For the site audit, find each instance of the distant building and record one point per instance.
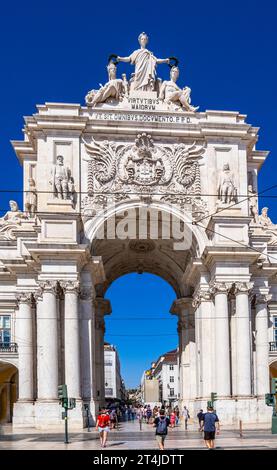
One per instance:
(149, 389)
(114, 384)
(166, 371)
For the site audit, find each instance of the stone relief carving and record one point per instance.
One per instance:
(145, 169)
(62, 181)
(173, 95)
(11, 221)
(226, 191)
(31, 199)
(266, 223)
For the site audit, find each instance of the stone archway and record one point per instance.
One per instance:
(273, 369)
(8, 391)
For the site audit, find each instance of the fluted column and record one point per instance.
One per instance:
(222, 338)
(24, 336)
(242, 315)
(71, 338)
(87, 335)
(102, 307)
(262, 346)
(47, 341)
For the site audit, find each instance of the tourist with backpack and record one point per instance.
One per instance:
(161, 424)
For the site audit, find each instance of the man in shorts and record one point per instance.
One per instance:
(210, 422)
(161, 424)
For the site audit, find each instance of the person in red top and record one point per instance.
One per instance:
(103, 426)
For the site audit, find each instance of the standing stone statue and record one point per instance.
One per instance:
(114, 88)
(172, 93)
(145, 66)
(31, 199)
(253, 204)
(60, 177)
(226, 190)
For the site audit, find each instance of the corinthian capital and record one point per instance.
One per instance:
(48, 286)
(243, 287)
(262, 298)
(24, 298)
(220, 287)
(200, 296)
(70, 286)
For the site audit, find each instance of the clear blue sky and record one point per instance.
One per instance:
(57, 51)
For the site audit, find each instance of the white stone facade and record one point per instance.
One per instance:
(133, 152)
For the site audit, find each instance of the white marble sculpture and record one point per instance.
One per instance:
(114, 88)
(145, 64)
(226, 191)
(31, 199)
(10, 221)
(253, 204)
(173, 94)
(59, 179)
(264, 220)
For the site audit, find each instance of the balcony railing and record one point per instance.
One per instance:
(273, 346)
(8, 347)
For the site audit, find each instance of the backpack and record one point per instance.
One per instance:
(162, 426)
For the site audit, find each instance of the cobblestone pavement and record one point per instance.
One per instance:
(129, 436)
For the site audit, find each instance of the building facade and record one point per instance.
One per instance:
(139, 148)
(166, 371)
(114, 384)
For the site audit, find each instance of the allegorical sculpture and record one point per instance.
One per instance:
(253, 204)
(114, 88)
(31, 199)
(10, 221)
(61, 180)
(145, 64)
(264, 220)
(172, 93)
(226, 191)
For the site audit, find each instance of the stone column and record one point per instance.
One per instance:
(262, 346)
(24, 335)
(87, 334)
(71, 338)
(222, 339)
(243, 366)
(102, 307)
(47, 342)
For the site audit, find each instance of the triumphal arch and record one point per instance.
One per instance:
(137, 179)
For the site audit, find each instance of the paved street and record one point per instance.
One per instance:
(128, 436)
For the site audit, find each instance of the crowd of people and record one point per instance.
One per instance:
(160, 417)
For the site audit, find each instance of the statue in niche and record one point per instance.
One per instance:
(31, 199)
(60, 178)
(226, 191)
(253, 204)
(171, 93)
(13, 216)
(114, 88)
(144, 78)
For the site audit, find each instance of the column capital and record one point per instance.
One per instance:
(38, 294)
(243, 287)
(48, 285)
(86, 293)
(70, 286)
(219, 287)
(24, 297)
(179, 305)
(102, 306)
(201, 295)
(262, 298)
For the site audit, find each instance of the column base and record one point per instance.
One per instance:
(232, 410)
(23, 414)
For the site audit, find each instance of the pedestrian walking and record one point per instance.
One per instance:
(103, 426)
(200, 418)
(140, 416)
(172, 419)
(210, 423)
(113, 418)
(148, 414)
(161, 424)
(186, 416)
